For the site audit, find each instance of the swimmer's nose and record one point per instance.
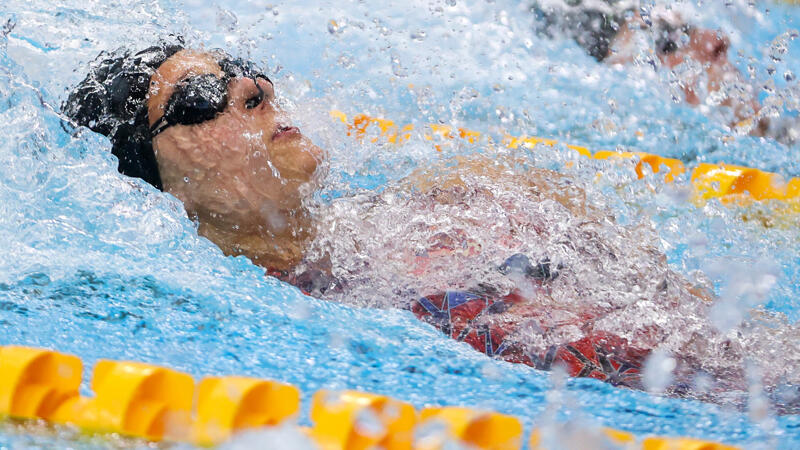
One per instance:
(250, 94)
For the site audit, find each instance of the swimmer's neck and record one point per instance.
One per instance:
(271, 250)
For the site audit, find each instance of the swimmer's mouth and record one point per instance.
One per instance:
(283, 132)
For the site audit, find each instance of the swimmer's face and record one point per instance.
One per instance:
(246, 169)
(709, 48)
(705, 48)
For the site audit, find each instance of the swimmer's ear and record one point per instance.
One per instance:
(111, 100)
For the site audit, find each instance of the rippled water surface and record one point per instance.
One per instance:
(104, 266)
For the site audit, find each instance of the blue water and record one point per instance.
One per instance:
(107, 267)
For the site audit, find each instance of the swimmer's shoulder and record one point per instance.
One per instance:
(488, 173)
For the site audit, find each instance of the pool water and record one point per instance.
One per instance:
(103, 266)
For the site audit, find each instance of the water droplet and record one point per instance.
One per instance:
(336, 27)
(780, 45)
(226, 19)
(346, 61)
(769, 86)
(431, 434)
(397, 68)
(8, 27)
(657, 374)
(419, 35)
(368, 423)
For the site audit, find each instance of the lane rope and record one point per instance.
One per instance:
(731, 184)
(157, 403)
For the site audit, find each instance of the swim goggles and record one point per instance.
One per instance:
(199, 98)
(669, 36)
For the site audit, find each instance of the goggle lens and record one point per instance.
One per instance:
(200, 98)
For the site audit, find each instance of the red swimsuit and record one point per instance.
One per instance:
(479, 321)
(468, 317)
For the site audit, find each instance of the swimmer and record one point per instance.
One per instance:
(203, 127)
(507, 258)
(615, 32)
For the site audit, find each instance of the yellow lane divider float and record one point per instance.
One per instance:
(157, 403)
(727, 182)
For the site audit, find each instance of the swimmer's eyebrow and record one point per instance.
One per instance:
(166, 87)
(190, 72)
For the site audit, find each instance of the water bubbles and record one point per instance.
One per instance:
(432, 434)
(699, 242)
(284, 437)
(346, 61)
(780, 45)
(381, 26)
(226, 19)
(747, 285)
(468, 93)
(758, 405)
(503, 114)
(450, 2)
(418, 36)
(5, 31)
(369, 424)
(528, 43)
(337, 27)
(491, 370)
(272, 8)
(788, 76)
(397, 67)
(299, 310)
(658, 371)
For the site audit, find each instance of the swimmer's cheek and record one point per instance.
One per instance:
(311, 157)
(296, 162)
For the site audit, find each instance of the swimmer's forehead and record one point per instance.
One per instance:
(181, 65)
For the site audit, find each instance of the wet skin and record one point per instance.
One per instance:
(243, 176)
(708, 49)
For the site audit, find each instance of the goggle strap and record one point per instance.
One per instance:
(160, 125)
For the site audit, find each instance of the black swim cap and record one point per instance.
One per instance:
(112, 100)
(592, 24)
